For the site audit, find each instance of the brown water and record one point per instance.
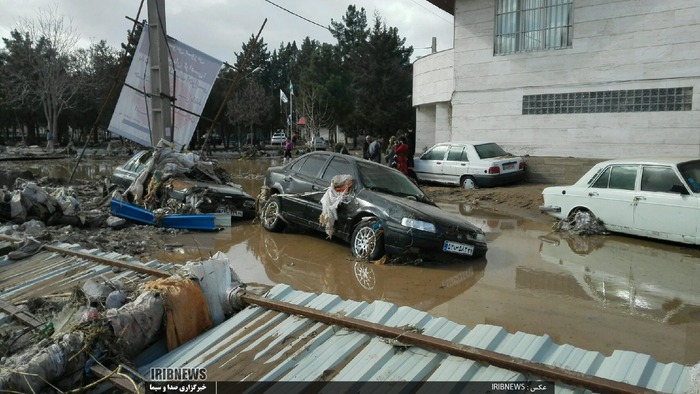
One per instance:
(598, 293)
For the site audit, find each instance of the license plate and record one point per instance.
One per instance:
(238, 214)
(455, 247)
(508, 166)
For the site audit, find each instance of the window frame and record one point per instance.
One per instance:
(532, 25)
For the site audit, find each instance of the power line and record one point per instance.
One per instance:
(299, 16)
(431, 11)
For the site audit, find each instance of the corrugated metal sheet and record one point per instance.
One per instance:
(50, 272)
(258, 344)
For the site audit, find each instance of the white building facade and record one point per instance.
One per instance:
(580, 78)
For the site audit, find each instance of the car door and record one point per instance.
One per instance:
(299, 181)
(663, 207)
(428, 167)
(611, 197)
(455, 165)
(301, 177)
(338, 165)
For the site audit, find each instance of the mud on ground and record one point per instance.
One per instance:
(143, 242)
(520, 199)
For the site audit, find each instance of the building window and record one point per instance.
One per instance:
(637, 100)
(532, 25)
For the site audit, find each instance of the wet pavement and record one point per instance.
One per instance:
(600, 293)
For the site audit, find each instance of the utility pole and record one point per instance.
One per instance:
(161, 127)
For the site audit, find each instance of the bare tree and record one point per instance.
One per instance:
(315, 111)
(248, 106)
(51, 74)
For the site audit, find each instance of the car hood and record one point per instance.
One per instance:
(423, 211)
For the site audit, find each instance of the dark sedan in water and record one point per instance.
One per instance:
(384, 211)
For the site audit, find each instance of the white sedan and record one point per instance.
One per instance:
(656, 198)
(278, 139)
(468, 164)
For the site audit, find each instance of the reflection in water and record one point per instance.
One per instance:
(287, 259)
(87, 169)
(658, 282)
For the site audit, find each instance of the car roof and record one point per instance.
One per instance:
(351, 157)
(466, 143)
(650, 160)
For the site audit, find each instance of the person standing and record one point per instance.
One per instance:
(375, 151)
(340, 148)
(288, 145)
(401, 153)
(365, 147)
(389, 156)
(49, 141)
(411, 141)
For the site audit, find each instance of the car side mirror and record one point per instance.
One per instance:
(679, 189)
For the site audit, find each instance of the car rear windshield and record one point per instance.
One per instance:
(487, 151)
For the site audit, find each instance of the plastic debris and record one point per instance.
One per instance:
(337, 193)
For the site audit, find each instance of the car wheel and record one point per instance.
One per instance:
(367, 242)
(468, 182)
(270, 216)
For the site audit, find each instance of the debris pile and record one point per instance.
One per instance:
(108, 322)
(581, 223)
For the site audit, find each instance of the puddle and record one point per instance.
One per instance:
(622, 295)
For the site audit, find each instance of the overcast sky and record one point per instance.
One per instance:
(220, 27)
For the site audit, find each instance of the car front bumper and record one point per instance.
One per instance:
(550, 209)
(400, 240)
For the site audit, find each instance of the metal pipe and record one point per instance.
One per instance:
(103, 260)
(547, 372)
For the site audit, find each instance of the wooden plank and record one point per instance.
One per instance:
(24, 316)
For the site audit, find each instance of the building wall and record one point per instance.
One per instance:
(617, 45)
(433, 78)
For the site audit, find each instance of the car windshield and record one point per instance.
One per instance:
(385, 180)
(487, 151)
(691, 173)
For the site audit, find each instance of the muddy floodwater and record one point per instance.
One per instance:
(601, 293)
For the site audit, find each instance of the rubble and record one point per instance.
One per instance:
(109, 323)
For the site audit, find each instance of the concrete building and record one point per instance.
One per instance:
(581, 78)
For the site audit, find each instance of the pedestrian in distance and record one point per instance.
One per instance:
(375, 151)
(49, 141)
(401, 152)
(288, 145)
(365, 147)
(389, 158)
(340, 148)
(411, 141)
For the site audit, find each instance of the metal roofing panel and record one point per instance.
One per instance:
(258, 344)
(49, 272)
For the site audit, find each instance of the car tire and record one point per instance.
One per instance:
(367, 242)
(270, 216)
(468, 182)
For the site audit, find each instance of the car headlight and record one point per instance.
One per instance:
(418, 225)
(480, 237)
